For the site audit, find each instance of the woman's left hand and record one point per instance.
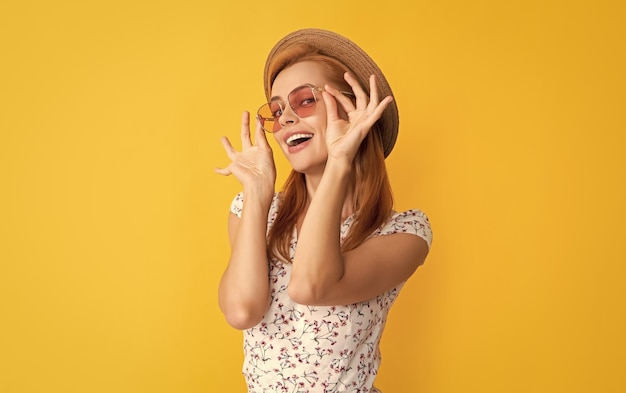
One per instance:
(343, 137)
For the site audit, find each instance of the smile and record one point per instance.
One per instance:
(297, 139)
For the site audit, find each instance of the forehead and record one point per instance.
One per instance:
(297, 75)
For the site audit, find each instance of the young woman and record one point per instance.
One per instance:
(315, 268)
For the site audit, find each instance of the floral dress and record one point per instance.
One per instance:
(309, 349)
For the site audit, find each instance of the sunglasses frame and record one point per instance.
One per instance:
(283, 106)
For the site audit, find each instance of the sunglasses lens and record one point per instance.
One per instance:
(269, 114)
(303, 101)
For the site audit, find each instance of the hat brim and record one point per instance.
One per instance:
(352, 56)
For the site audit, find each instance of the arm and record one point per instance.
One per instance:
(243, 292)
(323, 275)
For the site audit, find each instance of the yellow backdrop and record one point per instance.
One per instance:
(113, 224)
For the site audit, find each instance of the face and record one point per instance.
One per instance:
(302, 139)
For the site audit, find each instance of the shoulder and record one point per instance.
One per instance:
(236, 206)
(412, 221)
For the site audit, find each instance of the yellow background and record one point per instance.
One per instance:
(113, 224)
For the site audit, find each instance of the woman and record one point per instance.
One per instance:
(315, 268)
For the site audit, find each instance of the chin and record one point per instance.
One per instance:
(308, 168)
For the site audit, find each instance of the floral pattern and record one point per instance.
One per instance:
(310, 349)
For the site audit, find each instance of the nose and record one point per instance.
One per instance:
(288, 116)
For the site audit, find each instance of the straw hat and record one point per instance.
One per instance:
(350, 54)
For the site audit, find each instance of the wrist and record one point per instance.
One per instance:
(261, 193)
(338, 166)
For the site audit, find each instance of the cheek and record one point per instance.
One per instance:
(321, 117)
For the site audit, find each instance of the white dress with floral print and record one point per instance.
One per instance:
(309, 349)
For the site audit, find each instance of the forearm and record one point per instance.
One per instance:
(318, 260)
(244, 288)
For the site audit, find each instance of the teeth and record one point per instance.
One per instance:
(291, 141)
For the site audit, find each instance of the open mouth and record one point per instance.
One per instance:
(297, 139)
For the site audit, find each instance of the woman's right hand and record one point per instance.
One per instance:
(254, 165)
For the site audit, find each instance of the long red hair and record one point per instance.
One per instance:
(373, 199)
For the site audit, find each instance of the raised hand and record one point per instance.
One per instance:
(254, 165)
(343, 137)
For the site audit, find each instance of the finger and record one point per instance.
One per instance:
(246, 142)
(375, 114)
(380, 108)
(223, 171)
(373, 91)
(230, 150)
(361, 96)
(345, 101)
(259, 136)
(331, 107)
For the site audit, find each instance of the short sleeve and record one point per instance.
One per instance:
(237, 204)
(414, 222)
